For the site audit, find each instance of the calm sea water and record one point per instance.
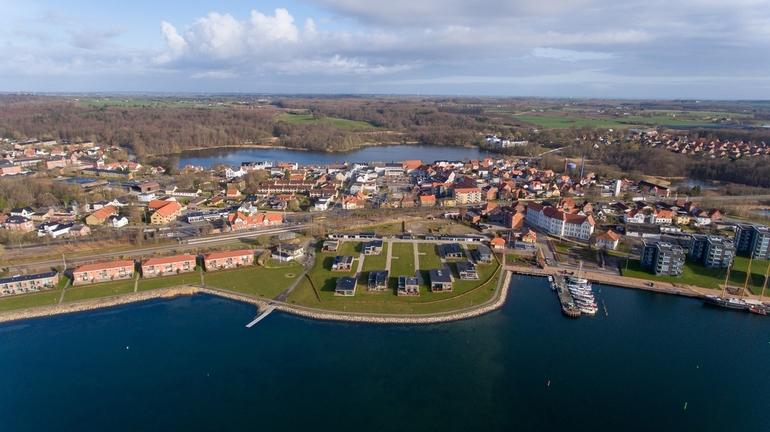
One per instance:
(189, 364)
(234, 157)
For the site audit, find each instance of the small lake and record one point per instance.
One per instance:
(391, 153)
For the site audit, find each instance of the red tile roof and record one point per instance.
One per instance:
(105, 265)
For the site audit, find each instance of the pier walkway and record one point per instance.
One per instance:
(261, 316)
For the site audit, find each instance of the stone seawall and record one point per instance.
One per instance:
(499, 299)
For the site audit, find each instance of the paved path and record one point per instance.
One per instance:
(416, 257)
(467, 252)
(261, 316)
(66, 285)
(390, 255)
(136, 284)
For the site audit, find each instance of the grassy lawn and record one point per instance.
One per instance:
(339, 123)
(377, 262)
(254, 280)
(698, 275)
(350, 248)
(429, 258)
(191, 278)
(99, 290)
(23, 301)
(465, 294)
(402, 263)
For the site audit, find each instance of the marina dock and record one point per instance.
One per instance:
(568, 306)
(261, 316)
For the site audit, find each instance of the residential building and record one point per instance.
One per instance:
(342, 263)
(228, 259)
(497, 243)
(373, 247)
(408, 286)
(467, 196)
(378, 280)
(19, 223)
(440, 280)
(483, 254)
(663, 258)
(607, 240)
(752, 241)
(28, 283)
(168, 265)
(288, 252)
(559, 223)
(103, 272)
(101, 215)
(451, 251)
(166, 214)
(345, 286)
(711, 251)
(466, 270)
(330, 245)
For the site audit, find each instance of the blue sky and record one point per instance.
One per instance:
(700, 49)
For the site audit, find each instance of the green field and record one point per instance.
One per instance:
(24, 301)
(429, 258)
(571, 119)
(402, 263)
(255, 280)
(339, 123)
(106, 289)
(192, 278)
(465, 294)
(377, 262)
(698, 275)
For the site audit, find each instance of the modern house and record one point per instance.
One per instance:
(169, 265)
(483, 254)
(103, 272)
(408, 286)
(378, 280)
(228, 259)
(711, 251)
(331, 245)
(663, 258)
(752, 241)
(28, 283)
(465, 196)
(440, 280)
(451, 251)
(342, 263)
(288, 252)
(373, 247)
(467, 270)
(346, 286)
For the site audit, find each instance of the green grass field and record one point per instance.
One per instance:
(377, 262)
(24, 301)
(698, 275)
(429, 258)
(255, 280)
(192, 278)
(339, 123)
(465, 294)
(402, 263)
(106, 289)
(576, 119)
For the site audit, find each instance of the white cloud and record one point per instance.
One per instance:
(570, 55)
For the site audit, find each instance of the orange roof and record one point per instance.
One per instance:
(497, 241)
(168, 260)
(105, 265)
(157, 203)
(228, 254)
(169, 209)
(427, 198)
(105, 212)
(411, 164)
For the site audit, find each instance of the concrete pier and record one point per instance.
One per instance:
(261, 316)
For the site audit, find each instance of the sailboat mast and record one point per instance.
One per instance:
(727, 277)
(764, 285)
(748, 275)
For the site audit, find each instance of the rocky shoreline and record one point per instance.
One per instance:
(498, 301)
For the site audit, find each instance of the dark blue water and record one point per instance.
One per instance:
(234, 157)
(191, 365)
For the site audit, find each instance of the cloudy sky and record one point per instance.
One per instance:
(700, 49)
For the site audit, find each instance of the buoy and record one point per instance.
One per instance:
(126, 347)
(549, 383)
(685, 406)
